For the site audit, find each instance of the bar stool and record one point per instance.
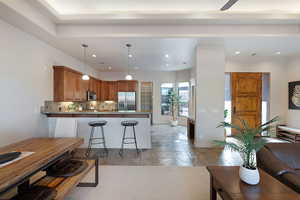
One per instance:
(101, 139)
(129, 123)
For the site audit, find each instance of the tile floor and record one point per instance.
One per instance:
(171, 147)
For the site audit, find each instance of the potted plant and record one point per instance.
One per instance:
(174, 101)
(247, 144)
(225, 116)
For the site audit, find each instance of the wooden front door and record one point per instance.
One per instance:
(246, 98)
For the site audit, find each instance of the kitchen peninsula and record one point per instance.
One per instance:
(113, 130)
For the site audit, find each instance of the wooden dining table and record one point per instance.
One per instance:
(45, 152)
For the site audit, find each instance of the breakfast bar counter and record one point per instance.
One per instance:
(113, 129)
(121, 114)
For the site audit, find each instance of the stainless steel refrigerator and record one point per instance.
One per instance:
(126, 101)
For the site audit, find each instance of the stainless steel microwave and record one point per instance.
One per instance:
(91, 96)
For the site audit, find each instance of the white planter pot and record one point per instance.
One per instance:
(249, 176)
(174, 123)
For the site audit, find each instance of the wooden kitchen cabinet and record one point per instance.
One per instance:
(99, 90)
(81, 88)
(93, 85)
(113, 91)
(109, 91)
(127, 86)
(132, 86)
(68, 85)
(104, 91)
(122, 86)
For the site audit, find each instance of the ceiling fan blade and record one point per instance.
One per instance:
(228, 5)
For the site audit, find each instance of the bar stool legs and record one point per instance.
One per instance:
(136, 147)
(124, 138)
(104, 142)
(90, 142)
(122, 145)
(99, 140)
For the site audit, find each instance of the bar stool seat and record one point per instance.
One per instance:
(132, 140)
(129, 123)
(98, 140)
(98, 123)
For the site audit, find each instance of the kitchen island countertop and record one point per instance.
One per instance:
(125, 114)
(113, 129)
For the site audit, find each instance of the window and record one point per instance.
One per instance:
(227, 106)
(265, 98)
(165, 89)
(227, 103)
(184, 93)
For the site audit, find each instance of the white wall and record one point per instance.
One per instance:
(183, 75)
(26, 82)
(210, 77)
(293, 116)
(277, 67)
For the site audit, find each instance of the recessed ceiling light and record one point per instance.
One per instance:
(167, 55)
(237, 52)
(94, 55)
(278, 52)
(130, 55)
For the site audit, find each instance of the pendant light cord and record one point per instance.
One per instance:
(84, 60)
(128, 53)
(85, 75)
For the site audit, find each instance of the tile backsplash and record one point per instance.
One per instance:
(51, 106)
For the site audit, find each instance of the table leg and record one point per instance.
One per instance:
(213, 192)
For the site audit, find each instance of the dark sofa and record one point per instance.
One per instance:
(282, 161)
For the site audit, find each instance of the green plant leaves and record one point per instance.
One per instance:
(246, 141)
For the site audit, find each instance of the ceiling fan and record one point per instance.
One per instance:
(228, 5)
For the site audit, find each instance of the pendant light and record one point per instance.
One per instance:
(85, 77)
(128, 76)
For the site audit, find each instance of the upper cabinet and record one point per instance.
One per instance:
(68, 85)
(132, 86)
(99, 90)
(109, 91)
(127, 86)
(93, 85)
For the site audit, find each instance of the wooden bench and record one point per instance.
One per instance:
(47, 151)
(288, 134)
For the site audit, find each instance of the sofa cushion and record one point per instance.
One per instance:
(282, 161)
(292, 180)
(287, 153)
(270, 163)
